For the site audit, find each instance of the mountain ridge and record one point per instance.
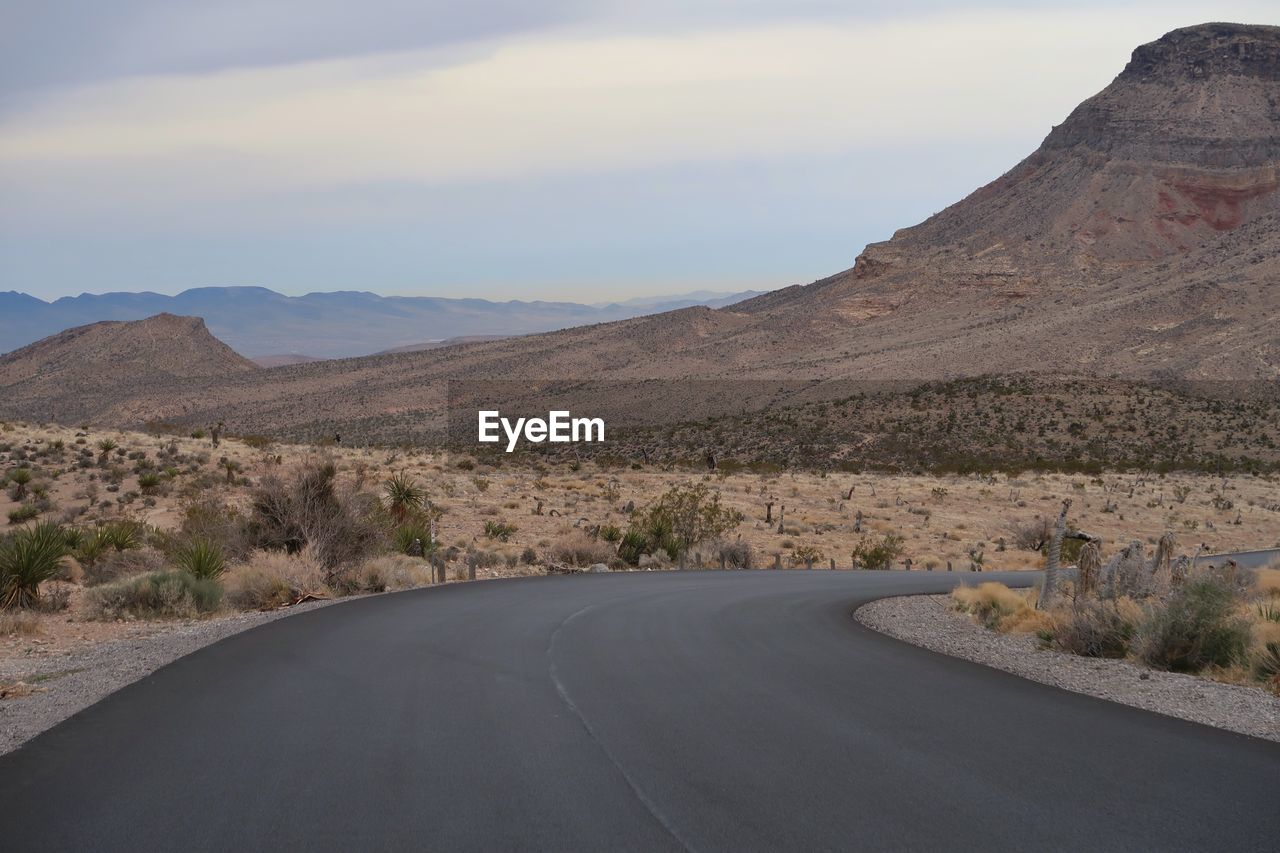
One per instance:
(257, 321)
(1142, 242)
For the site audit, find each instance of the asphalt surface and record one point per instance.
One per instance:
(705, 711)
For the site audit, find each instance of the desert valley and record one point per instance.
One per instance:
(1074, 369)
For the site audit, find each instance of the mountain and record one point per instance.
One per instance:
(76, 374)
(1141, 240)
(256, 321)
(282, 359)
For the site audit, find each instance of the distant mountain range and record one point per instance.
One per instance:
(257, 322)
(1139, 242)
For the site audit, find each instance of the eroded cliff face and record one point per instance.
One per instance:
(1182, 146)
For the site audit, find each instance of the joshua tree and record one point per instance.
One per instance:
(1054, 556)
(1161, 575)
(1090, 565)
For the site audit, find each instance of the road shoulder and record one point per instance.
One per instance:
(929, 622)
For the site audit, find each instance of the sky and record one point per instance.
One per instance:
(510, 149)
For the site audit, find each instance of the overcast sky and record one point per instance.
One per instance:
(580, 149)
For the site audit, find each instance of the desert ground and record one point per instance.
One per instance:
(523, 517)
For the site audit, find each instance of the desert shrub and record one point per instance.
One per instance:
(201, 558)
(26, 512)
(610, 533)
(528, 556)
(878, 553)
(271, 579)
(633, 546)
(113, 565)
(485, 559)
(995, 606)
(20, 623)
(341, 527)
(177, 595)
(148, 481)
(500, 530)
(212, 520)
(123, 534)
(1266, 664)
(578, 549)
(1096, 629)
(1031, 535)
(1194, 629)
(413, 530)
(54, 598)
(736, 554)
(28, 558)
(393, 572)
(805, 555)
(683, 517)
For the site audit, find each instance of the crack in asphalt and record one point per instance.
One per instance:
(643, 798)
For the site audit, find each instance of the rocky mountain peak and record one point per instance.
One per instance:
(1208, 50)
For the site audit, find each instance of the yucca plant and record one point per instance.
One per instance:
(27, 559)
(148, 481)
(106, 445)
(19, 480)
(201, 558)
(91, 547)
(122, 535)
(404, 496)
(409, 532)
(500, 530)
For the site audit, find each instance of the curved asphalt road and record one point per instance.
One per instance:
(707, 711)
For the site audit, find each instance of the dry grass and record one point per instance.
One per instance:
(1267, 582)
(271, 579)
(1000, 608)
(17, 623)
(578, 549)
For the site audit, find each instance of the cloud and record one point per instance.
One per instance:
(550, 105)
(290, 130)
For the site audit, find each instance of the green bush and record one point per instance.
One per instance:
(611, 533)
(633, 545)
(1196, 628)
(122, 535)
(160, 594)
(878, 554)
(500, 530)
(413, 529)
(200, 558)
(20, 480)
(26, 512)
(28, 558)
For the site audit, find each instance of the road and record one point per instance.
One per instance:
(701, 711)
